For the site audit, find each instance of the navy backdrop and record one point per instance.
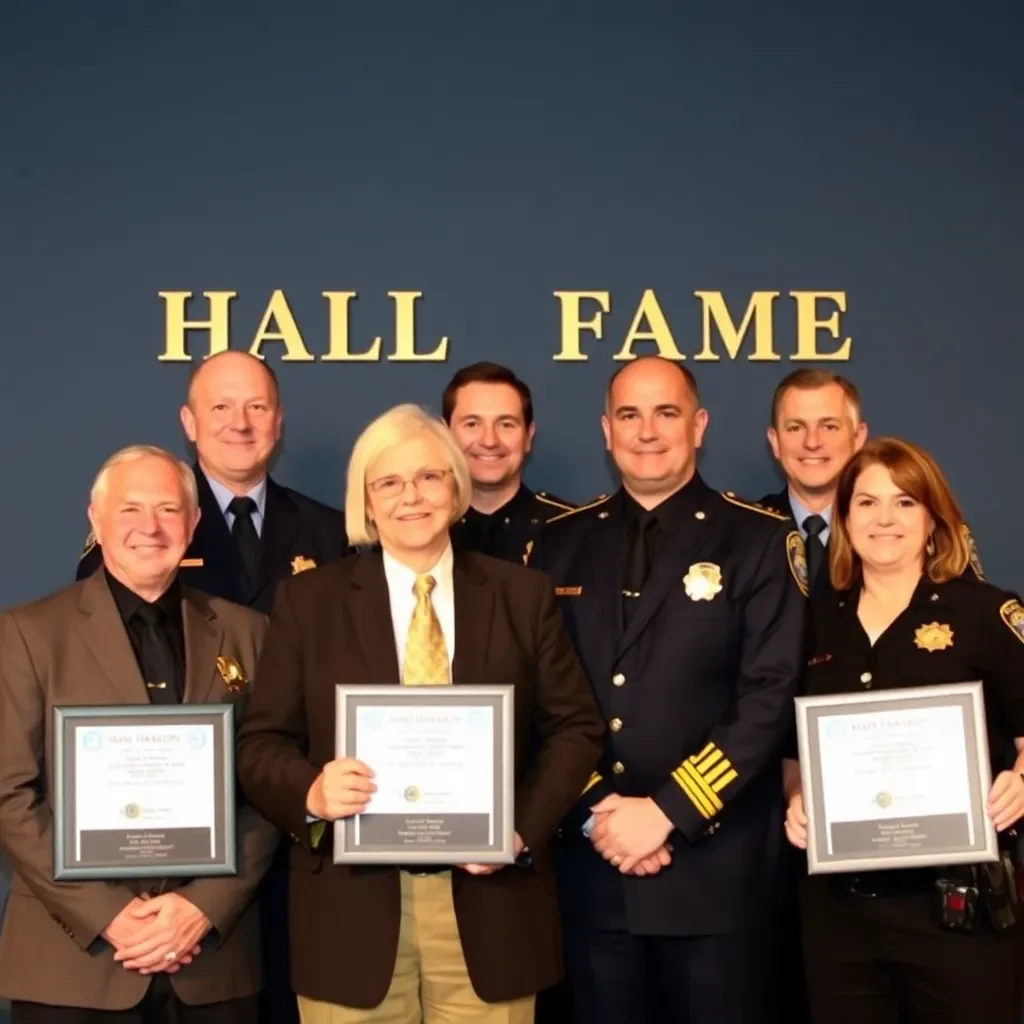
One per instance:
(488, 156)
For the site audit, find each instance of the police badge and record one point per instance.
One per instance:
(300, 563)
(933, 636)
(796, 555)
(703, 581)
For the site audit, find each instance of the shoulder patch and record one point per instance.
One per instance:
(600, 500)
(90, 543)
(972, 550)
(796, 555)
(556, 502)
(753, 506)
(1012, 613)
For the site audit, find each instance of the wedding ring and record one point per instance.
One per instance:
(616, 860)
(171, 955)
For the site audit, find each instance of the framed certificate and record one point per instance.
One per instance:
(896, 779)
(144, 791)
(444, 768)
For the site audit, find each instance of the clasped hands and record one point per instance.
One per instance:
(159, 933)
(631, 833)
(344, 787)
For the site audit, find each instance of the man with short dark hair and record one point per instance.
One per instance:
(490, 413)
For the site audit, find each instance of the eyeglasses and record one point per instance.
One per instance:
(430, 483)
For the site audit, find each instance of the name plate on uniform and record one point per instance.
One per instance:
(144, 791)
(443, 763)
(896, 779)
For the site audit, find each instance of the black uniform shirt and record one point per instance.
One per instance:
(489, 532)
(955, 632)
(160, 650)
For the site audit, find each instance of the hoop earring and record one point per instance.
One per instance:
(929, 548)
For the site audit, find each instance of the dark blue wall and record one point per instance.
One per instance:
(489, 155)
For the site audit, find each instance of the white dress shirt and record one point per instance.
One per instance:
(400, 579)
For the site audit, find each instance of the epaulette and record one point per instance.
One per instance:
(600, 499)
(90, 543)
(753, 506)
(541, 496)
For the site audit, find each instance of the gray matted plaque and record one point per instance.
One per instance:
(896, 778)
(144, 791)
(444, 766)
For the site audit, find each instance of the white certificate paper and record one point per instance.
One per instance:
(894, 764)
(428, 760)
(151, 777)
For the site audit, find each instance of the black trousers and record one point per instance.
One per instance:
(884, 960)
(278, 1003)
(618, 978)
(160, 1006)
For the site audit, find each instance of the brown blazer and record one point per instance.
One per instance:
(333, 625)
(72, 648)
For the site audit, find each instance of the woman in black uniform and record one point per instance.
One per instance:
(875, 949)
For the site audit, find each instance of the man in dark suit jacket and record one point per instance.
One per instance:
(490, 413)
(353, 943)
(252, 533)
(142, 951)
(686, 607)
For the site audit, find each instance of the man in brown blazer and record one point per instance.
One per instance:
(161, 950)
(364, 938)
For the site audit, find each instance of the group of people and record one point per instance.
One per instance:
(655, 639)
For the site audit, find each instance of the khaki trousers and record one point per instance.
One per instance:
(431, 984)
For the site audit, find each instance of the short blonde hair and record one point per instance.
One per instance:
(136, 453)
(393, 427)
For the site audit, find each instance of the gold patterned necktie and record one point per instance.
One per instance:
(426, 654)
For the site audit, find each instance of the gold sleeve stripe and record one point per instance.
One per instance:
(709, 761)
(698, 801)
(594, 779)
(702, 787)
(718, 770)
(704, 753)
(551, 501)
(583, 508)
(724, 780)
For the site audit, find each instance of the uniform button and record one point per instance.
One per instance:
(615, 724)
(865, 677)
(618, 679)
(618, 767)
(698, 515)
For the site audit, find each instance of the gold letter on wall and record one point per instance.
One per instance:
(659, 333)
(808, 325)
(175, 324)
(405, 332)
(572, 325)
(759, 309)
(287, 331)
(338, 352)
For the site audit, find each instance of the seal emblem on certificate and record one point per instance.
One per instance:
(442, 759)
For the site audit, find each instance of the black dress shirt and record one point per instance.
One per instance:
(157, 634)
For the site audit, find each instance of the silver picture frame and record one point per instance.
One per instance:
(139, 848)
(421, 834)
(961, 834)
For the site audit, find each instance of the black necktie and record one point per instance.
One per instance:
(638, 563)
(814, 525)
(157, 659)
(247, 540)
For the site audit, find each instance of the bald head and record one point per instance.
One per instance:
(233, 417)
(653, 425)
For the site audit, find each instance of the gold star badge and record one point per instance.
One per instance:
(301, 564)
(933, 636)
(703, 581)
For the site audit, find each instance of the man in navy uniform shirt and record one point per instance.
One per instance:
(252, 532)
(490, 413)
(686, 606)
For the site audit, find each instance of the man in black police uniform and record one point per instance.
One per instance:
(490, 413)
(252, 532)
(687, 610)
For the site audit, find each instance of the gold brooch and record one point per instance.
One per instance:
(232, 674)
(934, 636)
(703, 581)
(300, 563)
